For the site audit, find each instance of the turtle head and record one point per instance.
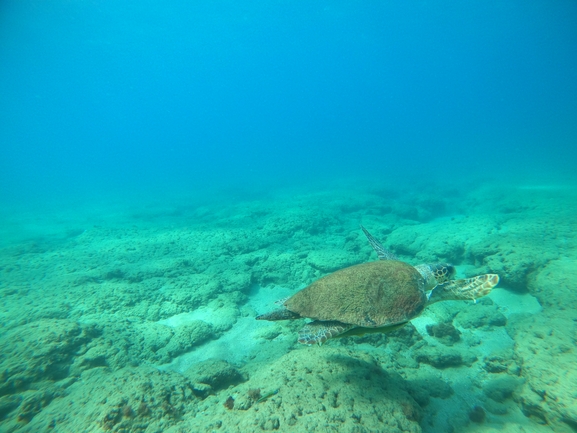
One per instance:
(443, 272)
(436, 273)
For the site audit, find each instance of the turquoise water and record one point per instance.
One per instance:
(169, 172)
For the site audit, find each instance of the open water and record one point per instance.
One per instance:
(168, 170)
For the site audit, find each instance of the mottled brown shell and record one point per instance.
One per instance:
(371, 295)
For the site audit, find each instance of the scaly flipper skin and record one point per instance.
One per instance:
(318, 332)
(465, 289)
(383, 253)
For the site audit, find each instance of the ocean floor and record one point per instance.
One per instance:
(141, 317)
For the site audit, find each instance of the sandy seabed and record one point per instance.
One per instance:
(141, 318)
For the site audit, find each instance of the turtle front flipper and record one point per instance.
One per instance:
(465, 289)
(280, 314)
(383, 253)
(318, 332)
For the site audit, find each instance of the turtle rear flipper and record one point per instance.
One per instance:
(381, 251)
(465, 289)
(318, 332)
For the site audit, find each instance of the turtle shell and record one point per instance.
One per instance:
(371, 295)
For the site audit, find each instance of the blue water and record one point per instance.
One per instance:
(145, 97)
(169, 169)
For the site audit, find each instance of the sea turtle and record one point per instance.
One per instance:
(378, 296)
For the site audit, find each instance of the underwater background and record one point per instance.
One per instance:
(168, 170)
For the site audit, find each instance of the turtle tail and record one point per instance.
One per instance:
(281, 314)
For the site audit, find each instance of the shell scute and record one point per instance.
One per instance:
(370, 295)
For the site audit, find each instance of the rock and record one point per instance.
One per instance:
(327, 260)
(185, 337)
(477, 414)
(407, 336)
(484, 314)
(503, 362)
(130, 343)
(446, 333)
(554, 285)
(213, 375)
(129, 400)
(545, 347)
(40, 351)
(496, 408)
(344, 389)
(8, 403)
(501, 388)
(441, 358)
(34, 401)
(268, 333)
(424, 388)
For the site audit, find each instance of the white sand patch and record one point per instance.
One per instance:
(245, 339)
(511, 303)
(490, 341)
(262, 299)
(427, 318)
(236, 346)
(482, 341)
(220, 318)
